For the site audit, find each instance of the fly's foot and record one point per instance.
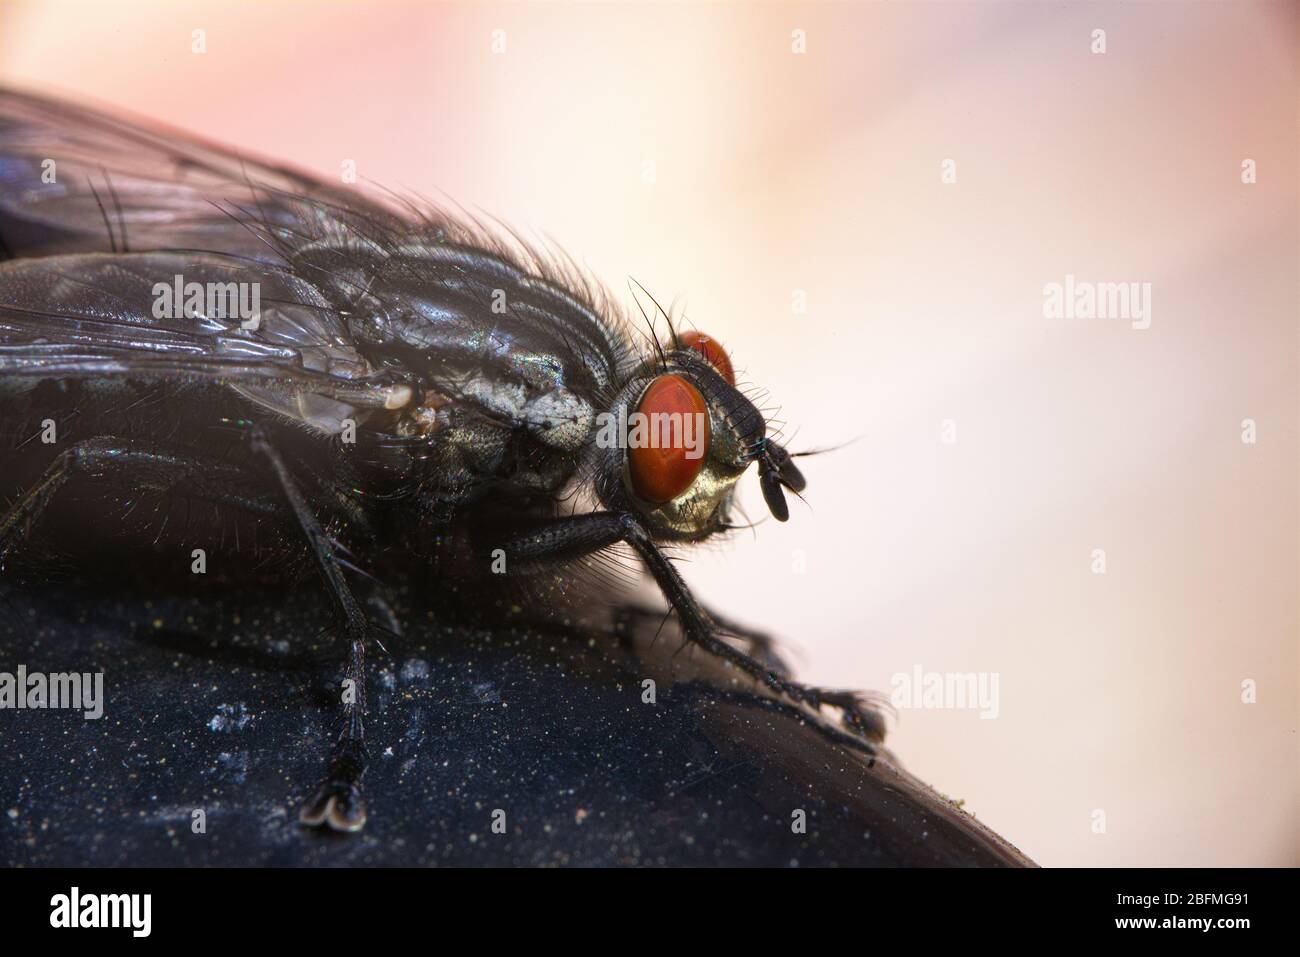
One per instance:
(337, 804)
(860, 714)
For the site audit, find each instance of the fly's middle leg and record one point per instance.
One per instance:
(338, 802)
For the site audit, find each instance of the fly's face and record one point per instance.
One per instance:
(691, 435)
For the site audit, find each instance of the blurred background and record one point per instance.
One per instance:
(864, 202)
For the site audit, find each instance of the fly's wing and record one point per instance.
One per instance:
(108, 224)
(92, 315)
(76, 180)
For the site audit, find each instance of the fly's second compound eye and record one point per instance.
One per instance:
(712, 350)
(667, 446)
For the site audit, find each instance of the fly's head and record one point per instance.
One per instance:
(690, 435)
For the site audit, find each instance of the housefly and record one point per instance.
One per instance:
(395, 375)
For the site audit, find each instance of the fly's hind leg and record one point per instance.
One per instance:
(584, 534)
(145, 466)
(338, 802)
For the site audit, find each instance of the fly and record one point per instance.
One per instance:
(389, 368)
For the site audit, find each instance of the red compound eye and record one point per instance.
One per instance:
(712, 350)
(668, 446)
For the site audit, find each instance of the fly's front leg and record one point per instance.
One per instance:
(583, 534)
(338, 802)
(758, 644)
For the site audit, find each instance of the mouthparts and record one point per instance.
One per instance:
(777, 472)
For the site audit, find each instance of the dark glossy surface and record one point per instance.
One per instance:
(224, 704)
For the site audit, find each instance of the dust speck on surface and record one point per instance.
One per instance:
(230, 718)
(415, 671)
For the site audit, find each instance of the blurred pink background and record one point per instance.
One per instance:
(778, 174)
